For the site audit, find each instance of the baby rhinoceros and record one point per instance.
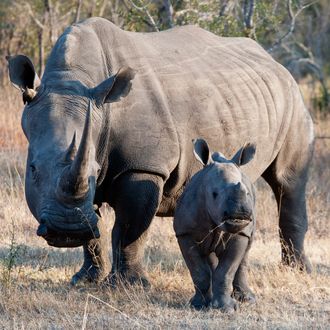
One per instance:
(214, 223)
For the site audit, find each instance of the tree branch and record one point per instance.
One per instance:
(35, 19)
(79, 3)
(248, 10)
(146, 12)
(293, 16)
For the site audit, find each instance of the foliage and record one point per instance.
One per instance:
(9, 262)
(295, 32)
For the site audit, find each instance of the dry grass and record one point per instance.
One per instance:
(34, 278)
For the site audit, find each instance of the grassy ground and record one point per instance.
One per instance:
(34, 278)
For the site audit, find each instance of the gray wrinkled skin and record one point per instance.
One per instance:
(214, 223)
(148, 95)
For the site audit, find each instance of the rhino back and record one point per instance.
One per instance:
(189, 83)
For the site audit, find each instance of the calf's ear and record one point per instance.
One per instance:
(23, 76)
(245, 154)
(201, 151)
(115, 87)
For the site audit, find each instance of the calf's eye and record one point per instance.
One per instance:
(33, 169)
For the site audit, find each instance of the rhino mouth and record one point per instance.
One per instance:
(57, 239)
(235, 224)
(68, 230)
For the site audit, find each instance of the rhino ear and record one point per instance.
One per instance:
(115, 87)
(23, 76)
(245, 154)
(201, 151)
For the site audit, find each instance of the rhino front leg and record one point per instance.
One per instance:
(96, 264)
(137, 197)
(223, 276)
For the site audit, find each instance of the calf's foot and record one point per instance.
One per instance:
(244, 296)
(225, 303)
(199, 302)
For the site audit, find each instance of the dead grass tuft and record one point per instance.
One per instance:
(38, 294)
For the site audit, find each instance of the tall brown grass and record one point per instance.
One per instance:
(34, 278)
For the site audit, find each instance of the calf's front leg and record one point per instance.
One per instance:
(199, 269)
(223, 276)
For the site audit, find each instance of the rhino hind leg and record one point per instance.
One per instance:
(137, 197)
(96, 264)
(287, 176)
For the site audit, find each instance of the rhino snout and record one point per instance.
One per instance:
(67, 234)
(235, 222)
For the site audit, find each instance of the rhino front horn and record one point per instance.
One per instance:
(80, 164)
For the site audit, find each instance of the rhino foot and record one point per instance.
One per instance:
(113, 280)
(300, 262)
(92, 274)
(225, 304)
(199, 302)
(244, 296)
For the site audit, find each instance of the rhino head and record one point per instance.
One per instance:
(227, 193)
(61, 122)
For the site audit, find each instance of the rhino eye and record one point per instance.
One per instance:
(34, 172)
(215, 194)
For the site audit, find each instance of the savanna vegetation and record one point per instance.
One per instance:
(34, 278)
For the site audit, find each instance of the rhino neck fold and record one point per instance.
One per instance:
(103, 145)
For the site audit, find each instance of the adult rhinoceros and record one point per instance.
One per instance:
(94, 139)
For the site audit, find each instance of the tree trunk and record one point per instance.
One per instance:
(77, 18)
(41, 51)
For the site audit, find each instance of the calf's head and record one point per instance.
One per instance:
(226, 193)
(61, 121)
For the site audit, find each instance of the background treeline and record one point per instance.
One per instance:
(295, 32)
